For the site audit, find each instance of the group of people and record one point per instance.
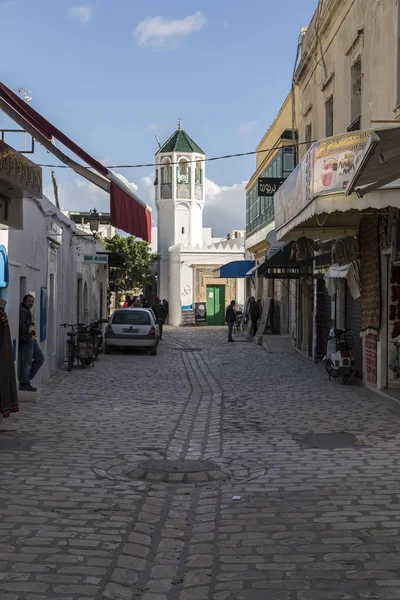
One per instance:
(160, 309)
(231, 317)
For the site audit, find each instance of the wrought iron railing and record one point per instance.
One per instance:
(355, 125)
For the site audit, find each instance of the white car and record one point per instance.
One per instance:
(131, 328)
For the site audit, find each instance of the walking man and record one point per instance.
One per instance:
(166, 306)
(30, 355)
(161, 315)
(254, 311)
(230, 319)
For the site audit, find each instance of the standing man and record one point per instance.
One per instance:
(161, 315)
(230, 319)
(254, 311)
(166, 306)
(30, 355)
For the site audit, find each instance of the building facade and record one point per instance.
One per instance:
(189, 254)
(338, 211)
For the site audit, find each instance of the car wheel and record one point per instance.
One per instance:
(107, 350)
(153, 351)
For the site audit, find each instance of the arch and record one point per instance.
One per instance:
(183, 206)
(4, 275)
(166, 170)
(183, 170)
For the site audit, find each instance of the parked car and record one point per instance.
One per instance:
(131, 328)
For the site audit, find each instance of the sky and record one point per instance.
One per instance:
(114, 74)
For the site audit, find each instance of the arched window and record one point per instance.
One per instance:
(199, 172)
(183, 171)
(166, 171)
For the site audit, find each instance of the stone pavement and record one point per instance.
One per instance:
(86, 515)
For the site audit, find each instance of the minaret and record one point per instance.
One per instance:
(179, 199)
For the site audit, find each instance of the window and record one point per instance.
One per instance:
(308, 139)
(288, 161)
(131, 317)
(183, 171)
(198, 173)
(329, 117)
(166, 172)
(183, 230)
(356, 91)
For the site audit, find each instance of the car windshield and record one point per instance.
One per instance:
(131, 317)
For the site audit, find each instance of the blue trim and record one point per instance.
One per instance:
(43, 314)
(236, 269)
(188, 307)
(4, 274)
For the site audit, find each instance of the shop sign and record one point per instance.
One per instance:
(268, 186)
(327, 168)
(101, 259)
(18, 170)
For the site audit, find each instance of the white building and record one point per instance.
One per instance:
(50, 259)
(189, 256)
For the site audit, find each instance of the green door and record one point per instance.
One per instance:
(215, 304)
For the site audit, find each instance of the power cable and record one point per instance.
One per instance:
(213, 158)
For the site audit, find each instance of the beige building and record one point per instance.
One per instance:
(348, 76)
(275, 158)
(343, 199)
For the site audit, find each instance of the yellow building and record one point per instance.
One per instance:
(275, 157)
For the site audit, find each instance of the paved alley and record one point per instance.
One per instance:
(98, 499)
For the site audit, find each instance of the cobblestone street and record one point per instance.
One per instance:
(278, 513)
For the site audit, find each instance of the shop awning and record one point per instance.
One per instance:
(128, 212)
(379, 165)
(315, 201)
(253, 270)
(349, 272)
(236, 269)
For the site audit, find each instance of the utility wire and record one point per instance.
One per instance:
(213, 158)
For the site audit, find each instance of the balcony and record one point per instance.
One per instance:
(355, 125)
(261, 221)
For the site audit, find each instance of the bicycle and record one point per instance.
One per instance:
(79, 345)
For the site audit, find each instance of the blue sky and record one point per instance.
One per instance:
(111, 75)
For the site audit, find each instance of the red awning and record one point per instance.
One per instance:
(128, 212)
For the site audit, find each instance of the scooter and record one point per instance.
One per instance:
(339, 363)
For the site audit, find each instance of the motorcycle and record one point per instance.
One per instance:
(79, 345)
(339, 363)
(96, 334)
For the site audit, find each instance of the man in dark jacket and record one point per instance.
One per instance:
(254, 311)
(30, 355)
(230, 319)
(166, 306)
(160, 313)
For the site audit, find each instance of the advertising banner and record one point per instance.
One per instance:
(327, 168)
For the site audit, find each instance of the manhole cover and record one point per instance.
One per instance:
(179, 466)
(328, 441)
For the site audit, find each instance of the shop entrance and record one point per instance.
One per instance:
(215, 304)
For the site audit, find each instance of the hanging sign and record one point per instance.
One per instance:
(267, 186)
(99, 259)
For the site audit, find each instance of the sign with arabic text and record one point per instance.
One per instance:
(99, 259)
(267, 186)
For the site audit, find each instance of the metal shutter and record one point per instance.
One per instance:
(353, 323)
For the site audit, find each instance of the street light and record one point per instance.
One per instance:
(94, 221)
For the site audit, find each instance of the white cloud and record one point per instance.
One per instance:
(81, 12)
(162, 32)
(225, 207)
(248, 128)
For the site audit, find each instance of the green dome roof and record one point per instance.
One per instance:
(180, 141)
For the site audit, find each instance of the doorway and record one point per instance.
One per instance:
(215, 304)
